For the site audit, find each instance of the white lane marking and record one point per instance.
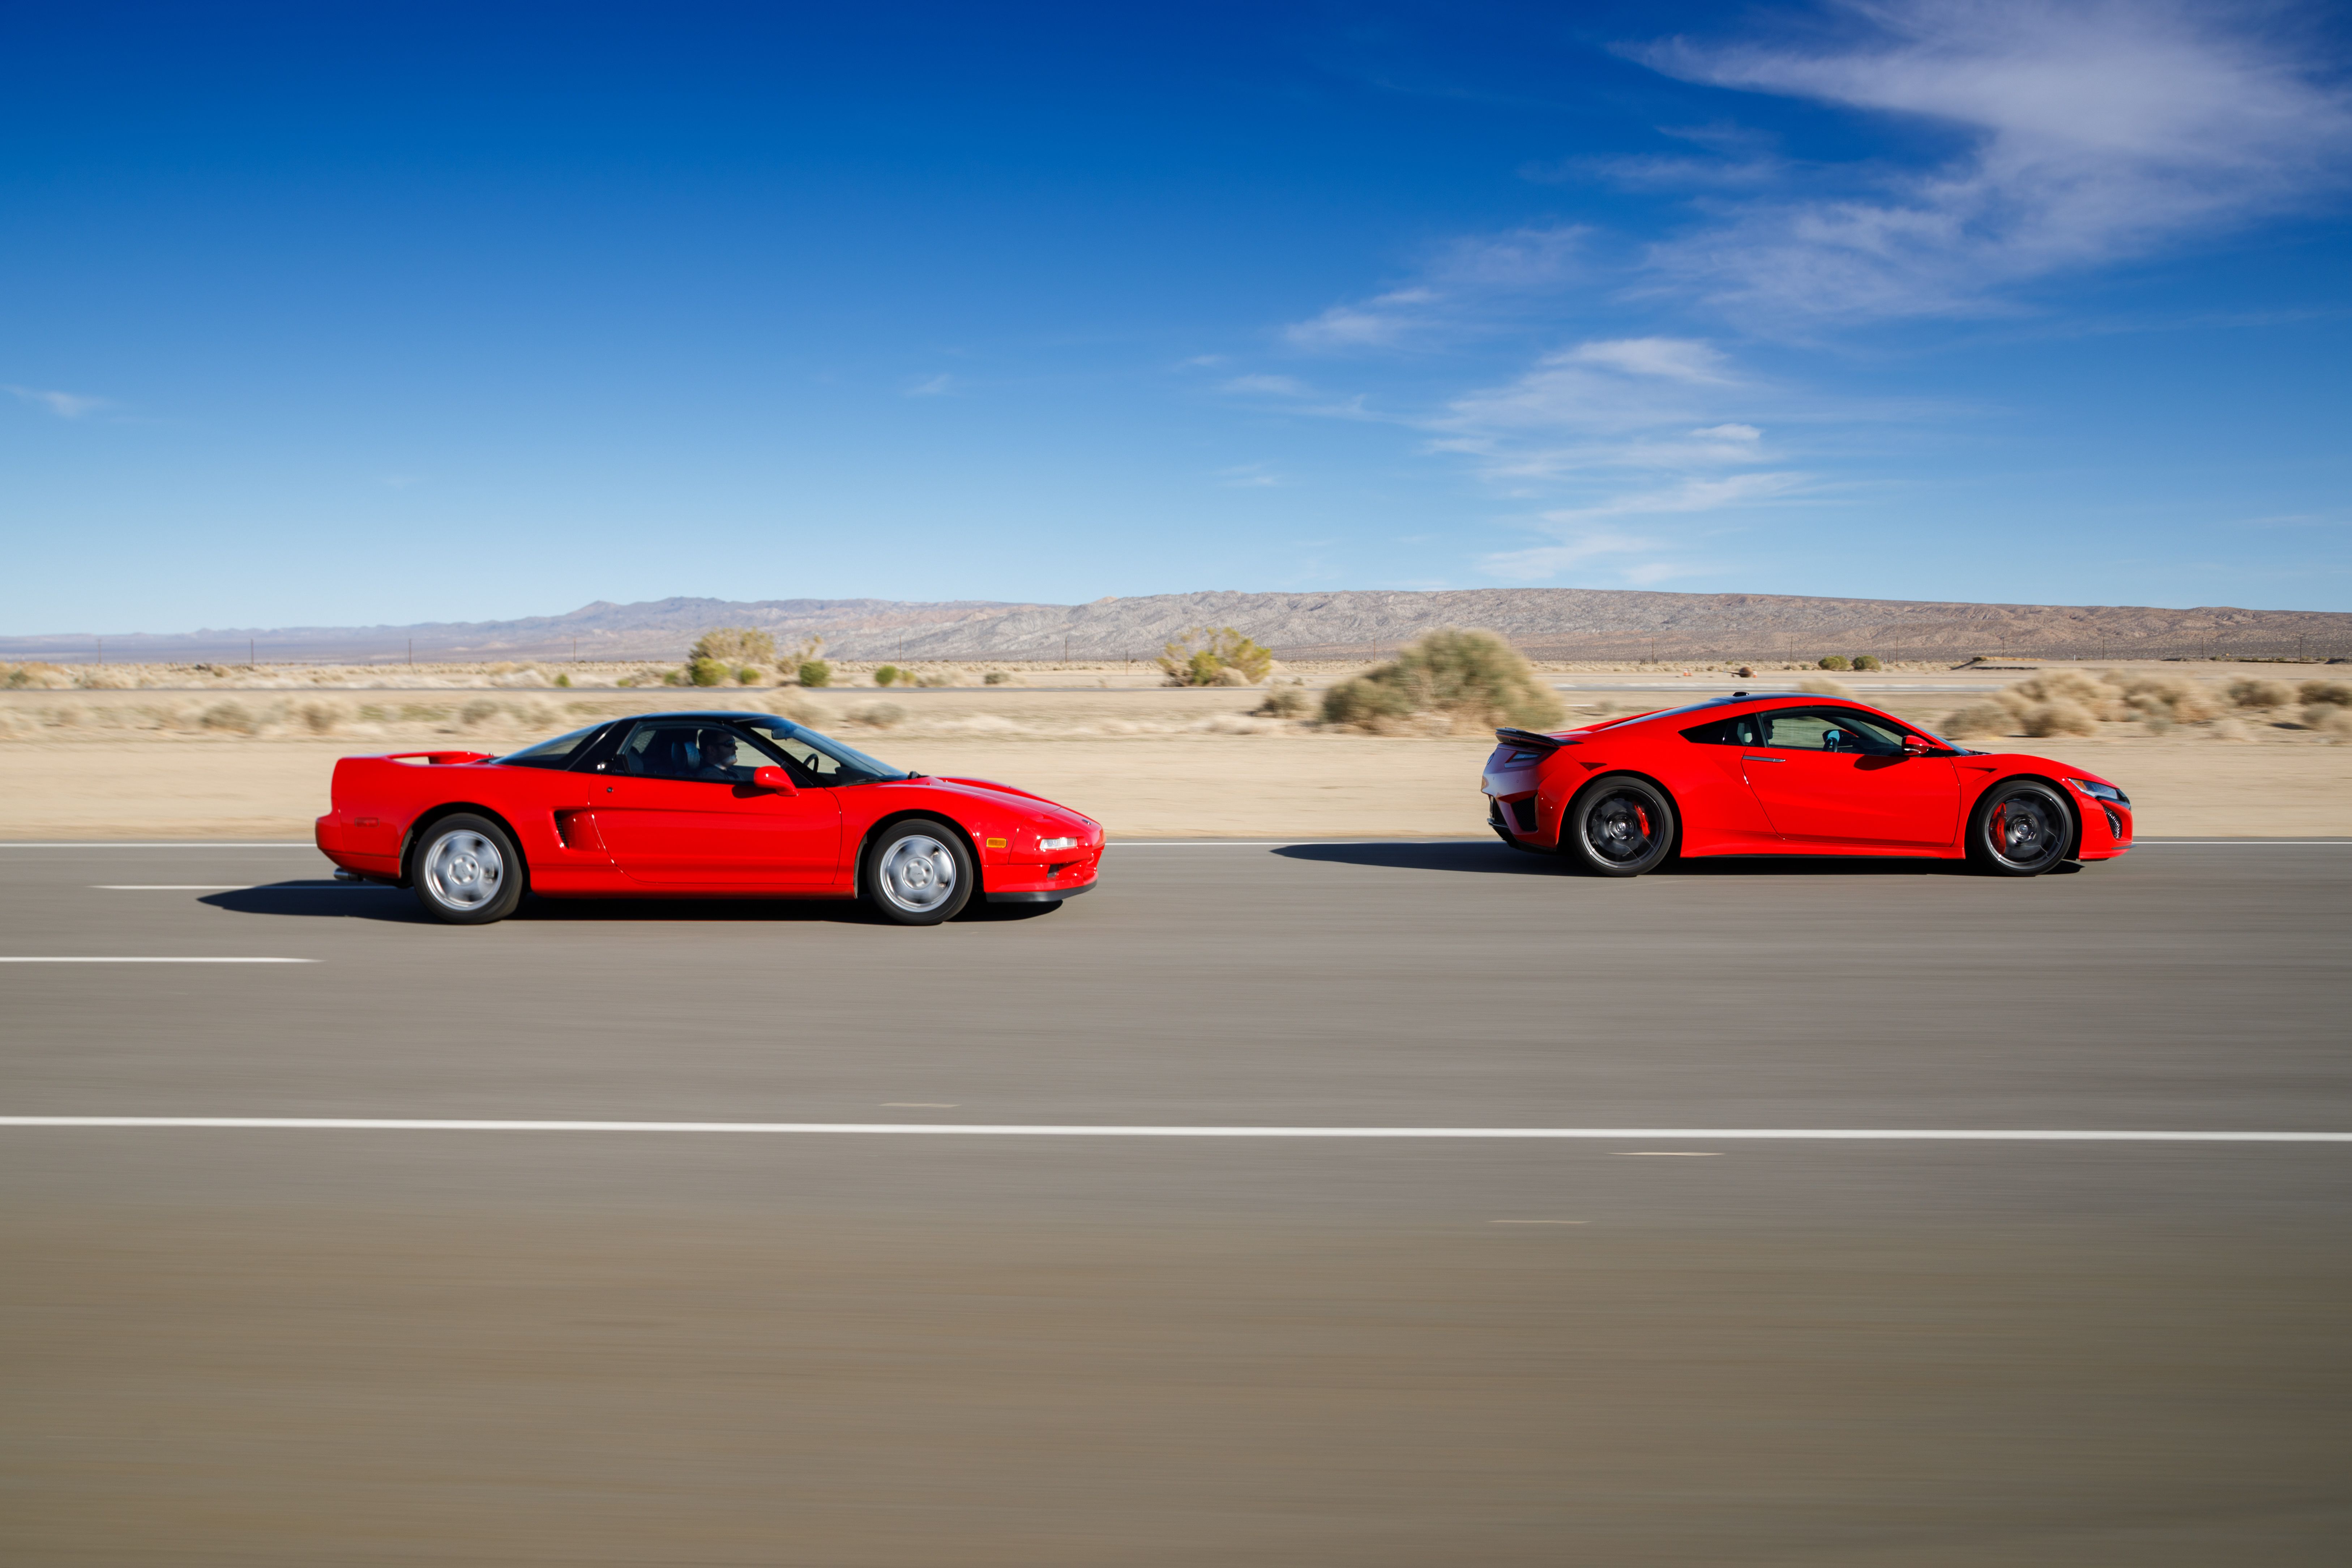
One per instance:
(128, 844)
(919, 1104)
(1669, 1155)
(1538, 1222)
(239, 887)
(1104, 1130)
(119, 959)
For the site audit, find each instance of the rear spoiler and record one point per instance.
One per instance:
(1529, 738)
(440, 759)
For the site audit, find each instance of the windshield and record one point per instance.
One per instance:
(559, 752)
(831, 762)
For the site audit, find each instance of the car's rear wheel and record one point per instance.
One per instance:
(917, 872)
(1620, 827)
(2019, 829)
(467, 871)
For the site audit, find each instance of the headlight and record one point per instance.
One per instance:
(2099, 791)
(1053, 843)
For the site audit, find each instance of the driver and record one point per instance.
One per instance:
(718, 764)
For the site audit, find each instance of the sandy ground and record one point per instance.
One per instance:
(1170, 785)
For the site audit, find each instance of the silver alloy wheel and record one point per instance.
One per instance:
(464, 869)
(918, 873)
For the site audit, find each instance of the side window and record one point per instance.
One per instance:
(1747, 729)
(1830, 730)
(707, 754)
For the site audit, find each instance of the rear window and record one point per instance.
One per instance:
(559, 753)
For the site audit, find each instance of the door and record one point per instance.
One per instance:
(1831, 775)
(678, 809)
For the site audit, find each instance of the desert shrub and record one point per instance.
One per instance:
(320, 718)
(1866, 661)
(232, 716)
(814, 672)
(2329, 720)
(747, 676)
(1469, 679)
(2335, 692)
(733, 646)
(1747, 672)
(563, 681)
(2231, 730)
(878, 715)
(1979, 719)
(1826, 688)
(706, 672)
(37, 676)
(995, 678)
(1214, 655)
(2260, 694)
(2172, 697)
(481, 711)
(1282, 703)
(1835, 661)
(886, 675)
(2101, 697)
(2061, 717)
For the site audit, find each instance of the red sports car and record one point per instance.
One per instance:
(1791, 773)
(697, 806)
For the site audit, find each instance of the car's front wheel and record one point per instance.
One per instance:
(1620, 827)
(2019, 829)
(467, 871)
(917, 872)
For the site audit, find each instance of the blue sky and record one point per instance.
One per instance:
(335, 315)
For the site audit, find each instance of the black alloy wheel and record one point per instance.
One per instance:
(2021, 828)
(467, 871)
(1620, 827)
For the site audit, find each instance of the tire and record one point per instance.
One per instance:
(2020, 828)
(467, 871)
(918, 873)
(1619, 827)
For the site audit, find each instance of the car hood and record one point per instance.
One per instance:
(1005, 795)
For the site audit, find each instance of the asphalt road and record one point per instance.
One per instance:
(264, 1346)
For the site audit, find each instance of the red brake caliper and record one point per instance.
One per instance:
(1644, 818)
(2000, 825)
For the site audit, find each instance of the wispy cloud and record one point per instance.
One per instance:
(1248, 476)
(64, 404)
(937, 385)
(1463, 287)
(2090, 131)
(1266, 386)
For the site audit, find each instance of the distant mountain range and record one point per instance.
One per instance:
(1557, 622)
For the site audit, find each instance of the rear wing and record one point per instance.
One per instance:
(1529, 738)
(438, 759)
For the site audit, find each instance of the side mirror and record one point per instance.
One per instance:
(1919, 746)
(775, 779)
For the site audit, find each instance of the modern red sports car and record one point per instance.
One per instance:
(697, 806)
(1791, 773)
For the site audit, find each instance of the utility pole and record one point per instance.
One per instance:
(250, 659)
(101, 650)
(411, 653)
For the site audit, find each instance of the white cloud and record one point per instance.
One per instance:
(1248, 476)
(1730, 433)
(64, 404)
(1459, 289)
(1266, 386)
(2092, 131)
(938, 386)
(1550, 559)
(1679, 359)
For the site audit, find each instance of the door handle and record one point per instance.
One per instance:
(1763, 759)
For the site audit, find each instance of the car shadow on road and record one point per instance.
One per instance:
(1499, 860)
(398, 906)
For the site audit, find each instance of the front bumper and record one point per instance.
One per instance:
(1040, 895)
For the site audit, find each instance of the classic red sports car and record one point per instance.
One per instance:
(699, 805)
(1791, 773)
